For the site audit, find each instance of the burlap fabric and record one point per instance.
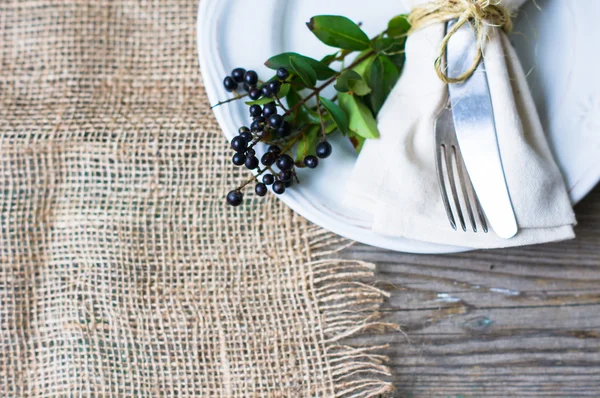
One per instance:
(123, 274)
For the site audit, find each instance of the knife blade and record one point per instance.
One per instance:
(473, 116)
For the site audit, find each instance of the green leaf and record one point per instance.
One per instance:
(383, 76)
(398, 26)
(330, 128)
(362, 68)
(283, 61)
(284, 90)
(359, 87)
(337, 114)
(361, 120)
(328, 59)
(262, 101)
(304, 70)
(306, 146)
(381, 44)
(303, 115)
(342, 83)
(398, 60)
(351, 81)
(386, 45)
(293, 98)
(340, 32)
(357, 142)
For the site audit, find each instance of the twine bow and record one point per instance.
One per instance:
(479, 13)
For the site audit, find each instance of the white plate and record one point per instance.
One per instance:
(557, 45)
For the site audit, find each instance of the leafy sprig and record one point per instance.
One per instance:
(297, 119)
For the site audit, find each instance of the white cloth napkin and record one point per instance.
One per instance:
(395, 179)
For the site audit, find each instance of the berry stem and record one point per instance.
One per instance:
(253, 179)
(293, 142)
(285, 140)
(281, 104)
(296, 177)
(333, 99)
(257, 139)
(323, 132)
(341, 57)
(237, 97)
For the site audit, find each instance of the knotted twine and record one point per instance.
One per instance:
(479, 13)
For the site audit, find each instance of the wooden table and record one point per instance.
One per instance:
(514, 322)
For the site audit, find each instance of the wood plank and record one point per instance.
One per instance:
(511, 322)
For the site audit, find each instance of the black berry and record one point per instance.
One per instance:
(239, 159)
(257, 125)
(285, 162)
(261, 189)
(250, 152)
(239, 144)
(254, 94)
(282, 74)
(284, 130)
(275, 121)
(238, 74)
(274, 86)
(247, 135)
(230, 84)
(268, 159)
(251, 78)
(252, 162)
(266, 91)
(255, 111)
(275, 149)
(324, 150)
(269, 110)
(243, 129)
(286, 175)
(235, 198)
(279, 187)
(311, 162)
(247, 87)
(289, 183)
(268, 179)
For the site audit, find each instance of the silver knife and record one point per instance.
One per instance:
(473, 116)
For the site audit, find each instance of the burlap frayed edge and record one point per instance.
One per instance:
(349, 306)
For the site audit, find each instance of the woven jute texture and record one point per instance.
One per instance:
(122, 272)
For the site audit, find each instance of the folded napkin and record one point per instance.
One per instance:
(395, 178)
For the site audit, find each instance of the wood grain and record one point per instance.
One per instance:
(513, 322)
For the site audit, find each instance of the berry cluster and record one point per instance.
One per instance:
(292, 113)
(276, 166)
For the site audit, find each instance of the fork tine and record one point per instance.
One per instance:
(475, 201)
(484, 225)
(441, 157)
(465, 182)
(452, 181)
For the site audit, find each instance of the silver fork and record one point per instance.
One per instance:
(450, 167)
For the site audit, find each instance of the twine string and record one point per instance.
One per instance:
(479, 13)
